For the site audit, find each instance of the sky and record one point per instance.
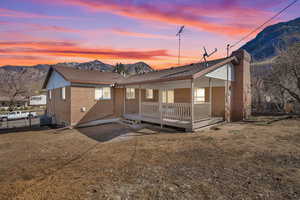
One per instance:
(127, 31)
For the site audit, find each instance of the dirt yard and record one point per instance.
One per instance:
(253, 160)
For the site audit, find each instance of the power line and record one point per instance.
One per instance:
(256, 29)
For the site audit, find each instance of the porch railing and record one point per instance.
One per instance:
(173, 111)
(176, 111)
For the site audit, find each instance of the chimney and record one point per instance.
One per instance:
(238, 104)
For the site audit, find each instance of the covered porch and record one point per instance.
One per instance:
(188, 104)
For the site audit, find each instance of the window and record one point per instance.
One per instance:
(103, 93)
(149, 93)
(63, 93)
(50, 94)
(168, 96)
(199, 94)
(130, 93)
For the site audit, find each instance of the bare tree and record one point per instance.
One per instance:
(285, 74)
(13, 86)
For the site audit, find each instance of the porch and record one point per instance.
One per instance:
(177, 103)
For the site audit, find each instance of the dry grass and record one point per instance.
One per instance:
(235, 161)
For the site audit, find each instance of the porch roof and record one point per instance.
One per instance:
(191, 71)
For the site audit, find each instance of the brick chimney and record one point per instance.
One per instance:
(238, 102)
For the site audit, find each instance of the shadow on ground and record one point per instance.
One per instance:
(107, 132)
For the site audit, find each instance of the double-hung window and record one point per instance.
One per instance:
(103, 93)
(149, 93)
(199, 94)
(168, 96)
(130, 93)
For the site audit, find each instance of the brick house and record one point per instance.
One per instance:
(189, 96)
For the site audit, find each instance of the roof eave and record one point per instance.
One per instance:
(92, 82)
(47, 78)
(157, 80)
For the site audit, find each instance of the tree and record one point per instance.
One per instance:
(120, 68)
(285, 75)
(13, 86)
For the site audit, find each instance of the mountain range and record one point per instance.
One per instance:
(273, 39)
(35, 75)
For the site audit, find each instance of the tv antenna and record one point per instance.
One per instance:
(206, 55)
(179, 40)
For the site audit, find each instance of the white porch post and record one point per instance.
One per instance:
(160, 107)
(210, 97)
(192, 101)
(140, 101)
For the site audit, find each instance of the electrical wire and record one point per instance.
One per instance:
(259, 27)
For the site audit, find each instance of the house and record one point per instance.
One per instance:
(189, 96)
(38, 100)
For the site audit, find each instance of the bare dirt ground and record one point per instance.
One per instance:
(253, 160)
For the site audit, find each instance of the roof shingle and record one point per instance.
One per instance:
(171, 73)
(88, 76)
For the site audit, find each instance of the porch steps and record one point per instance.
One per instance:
(207, 122)
(129, 122)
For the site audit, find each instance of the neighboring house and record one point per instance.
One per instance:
(38, 100)
(190, 96)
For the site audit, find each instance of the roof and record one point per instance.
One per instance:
(175, 73)
(84, 76)
(178, 73)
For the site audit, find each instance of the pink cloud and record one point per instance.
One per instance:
(138, 34)
(199, 16)
(19, 14)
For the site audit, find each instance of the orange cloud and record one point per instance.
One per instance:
(69, 49)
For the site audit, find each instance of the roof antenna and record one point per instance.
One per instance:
(206, 55)
(179, 40)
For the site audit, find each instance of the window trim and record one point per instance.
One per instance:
(101, 96)
(63, 93)
(166, 93)
(152, 94)
(129, 92)
(199, 97)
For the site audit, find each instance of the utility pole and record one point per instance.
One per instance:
(179, 42)
(228, 48)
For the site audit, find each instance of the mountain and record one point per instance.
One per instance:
(274, 39)
(95, 65)
(36, 74)
(137, 68)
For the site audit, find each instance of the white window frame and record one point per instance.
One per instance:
(149, 94)
(99, 93)
(199, 95)
(130, 93)
(165, 96)
(63, 93)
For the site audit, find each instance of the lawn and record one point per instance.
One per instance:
(247, 161)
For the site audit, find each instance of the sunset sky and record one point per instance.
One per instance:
(127, 31)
